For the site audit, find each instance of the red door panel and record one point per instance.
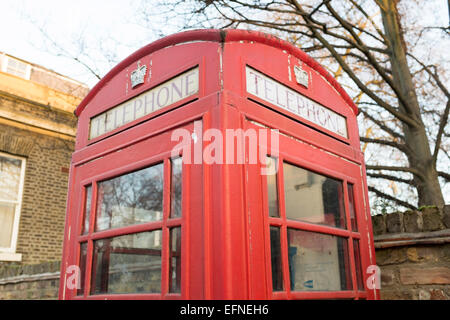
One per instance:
(310, 237)
(134, 213)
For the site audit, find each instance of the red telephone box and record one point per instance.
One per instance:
(217, 164)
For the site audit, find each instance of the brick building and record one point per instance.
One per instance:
(37, 134)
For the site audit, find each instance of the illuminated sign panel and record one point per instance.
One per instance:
(280, 95)
(167, 93)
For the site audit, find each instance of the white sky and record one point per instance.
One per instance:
(63, 20)
(111, 21)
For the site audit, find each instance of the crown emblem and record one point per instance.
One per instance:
(138, 75)
(301, 76)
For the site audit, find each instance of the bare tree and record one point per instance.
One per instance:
(369, 45)
(379, 50)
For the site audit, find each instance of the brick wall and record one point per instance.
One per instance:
(41, 226)
(413, 252)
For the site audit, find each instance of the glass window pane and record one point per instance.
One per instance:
(272, 189)
(10, 170)
(127, 264)
(275, 255)
(131, 199)
(359, 276)
(312, 197)
(176, 181)
(318, 262)
(351, 205)
(87, 209)
(7, 213)
(175, 260)
(83, 253)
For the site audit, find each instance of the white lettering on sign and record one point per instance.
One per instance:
(167, 93)
(280, 95)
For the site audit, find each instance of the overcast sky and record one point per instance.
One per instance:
(110, 24)
(63, 20)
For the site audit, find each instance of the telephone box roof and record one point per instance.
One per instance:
(215, 35)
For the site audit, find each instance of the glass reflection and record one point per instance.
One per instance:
(275, 256)
(272, 190)
(7, 213)
(127, 264)
(358, 267)
(175, 260)
(351, 205)
(87, 209)
(176, 182)
(312, 197)
(10, 170)
(318, 262)
(83, 253)
(130, 199)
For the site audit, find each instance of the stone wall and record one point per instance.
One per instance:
(413, 252)
(25, 282)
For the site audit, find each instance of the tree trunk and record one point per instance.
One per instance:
(420, 157)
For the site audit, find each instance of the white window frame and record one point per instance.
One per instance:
(9, 254)
(5, 64)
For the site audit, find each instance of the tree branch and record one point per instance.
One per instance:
(393, 168)
(401, 116)
(64, 53)
(362, 47)
(402, 147)
(443, 123)
(382, 125)
(433, 75)
(444, 175)
(392, 198)
(389, 177)
(371, 21)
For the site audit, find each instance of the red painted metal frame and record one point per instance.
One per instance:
(123, 166)
(225, 223)
(299, 157)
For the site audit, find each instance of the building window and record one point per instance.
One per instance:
(12, 172)
(17, 68)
